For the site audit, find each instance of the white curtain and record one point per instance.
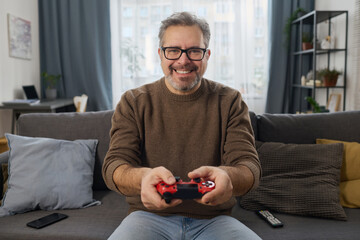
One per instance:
(238, 43)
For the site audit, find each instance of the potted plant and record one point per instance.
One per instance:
(50, 82)
(287, 28)
(329, 77)
(315, 105)
(306, 41)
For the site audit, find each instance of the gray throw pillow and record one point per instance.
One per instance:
(48, 174)
(301, 179)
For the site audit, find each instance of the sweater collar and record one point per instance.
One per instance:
(182, 98)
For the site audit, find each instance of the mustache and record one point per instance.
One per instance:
(186, 67)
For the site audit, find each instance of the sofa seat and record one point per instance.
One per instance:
(302, 228)
(100, 221)
(91, 223)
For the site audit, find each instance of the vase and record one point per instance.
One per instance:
(330, 81)
(306, 46)
(50, 93)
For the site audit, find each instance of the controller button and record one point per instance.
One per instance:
(197, 180)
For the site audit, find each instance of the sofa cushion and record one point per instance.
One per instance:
(48, 174)
(3, 145)
(3, 162)
(306, 128)
(253, 120)
(300, 179)
(350, 173)
(72, 126)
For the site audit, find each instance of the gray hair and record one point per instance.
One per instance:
(185, 19)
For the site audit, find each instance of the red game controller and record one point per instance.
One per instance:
(184, 190)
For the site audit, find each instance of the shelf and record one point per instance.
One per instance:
(305, 60)
(310, 51)
(325, 51)
(312, 87)
(320, 51)
(321, 16)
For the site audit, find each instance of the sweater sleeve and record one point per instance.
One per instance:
(124, 147)
(239, 147)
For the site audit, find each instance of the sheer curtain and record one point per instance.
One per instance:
(239, 37)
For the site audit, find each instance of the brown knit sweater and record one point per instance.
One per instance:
(153, 127)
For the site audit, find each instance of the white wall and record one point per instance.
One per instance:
(15, 72)
(353, 84)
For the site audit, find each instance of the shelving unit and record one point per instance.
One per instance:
(305, 60)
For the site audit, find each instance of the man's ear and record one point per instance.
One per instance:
(159, 52)
(207, 54)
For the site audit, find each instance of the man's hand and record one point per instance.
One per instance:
(223, 186)
(149, 195)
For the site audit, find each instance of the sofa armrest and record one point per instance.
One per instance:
(4, 157)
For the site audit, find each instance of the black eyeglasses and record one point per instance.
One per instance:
(174, 53)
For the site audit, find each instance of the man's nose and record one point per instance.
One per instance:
(184, 58)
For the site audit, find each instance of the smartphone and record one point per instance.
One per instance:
(47, 220)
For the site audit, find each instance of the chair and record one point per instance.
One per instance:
(80, 103)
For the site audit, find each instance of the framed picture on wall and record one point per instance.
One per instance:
(19, 37)
(334, 102)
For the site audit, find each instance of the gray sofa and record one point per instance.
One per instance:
(99, 222)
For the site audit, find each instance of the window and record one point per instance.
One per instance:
(156, 13)
(238, 44)
(127, 32)
(127, 12)
(258, 52)
(144, 31)
(259, 32)
(201, 12)
(223, 7)
(144, 12)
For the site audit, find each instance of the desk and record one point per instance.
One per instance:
(57, 105)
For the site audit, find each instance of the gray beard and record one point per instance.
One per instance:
(185, 88)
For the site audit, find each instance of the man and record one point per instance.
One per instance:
(187, 126)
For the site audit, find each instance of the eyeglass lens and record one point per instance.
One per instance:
(192, 53)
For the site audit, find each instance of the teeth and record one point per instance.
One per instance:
(182, 72)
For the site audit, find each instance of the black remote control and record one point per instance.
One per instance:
(269, 218)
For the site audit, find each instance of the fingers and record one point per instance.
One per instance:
(202, 172)
(152, 200)
(157, 175)
(223, 186)
(149, 195)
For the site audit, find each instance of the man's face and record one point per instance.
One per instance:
(183, 75)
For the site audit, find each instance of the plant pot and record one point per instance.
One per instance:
(50, 93)
(307, 46)
(330, 82)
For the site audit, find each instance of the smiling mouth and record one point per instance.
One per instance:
(183, 71)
